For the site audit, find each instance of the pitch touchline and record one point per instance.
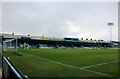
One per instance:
(101, 64)
(70, 66)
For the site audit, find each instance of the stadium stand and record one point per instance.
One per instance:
(48, 42)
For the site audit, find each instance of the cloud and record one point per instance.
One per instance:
(75, 19)
(60, 0)
(72, 27)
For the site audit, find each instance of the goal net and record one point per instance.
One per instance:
(10, 45)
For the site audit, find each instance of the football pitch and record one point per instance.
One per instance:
(66, 62)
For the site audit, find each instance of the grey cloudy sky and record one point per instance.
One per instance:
(61, 19)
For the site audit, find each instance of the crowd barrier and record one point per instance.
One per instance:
(9, 71)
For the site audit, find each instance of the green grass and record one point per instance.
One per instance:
(33, 66)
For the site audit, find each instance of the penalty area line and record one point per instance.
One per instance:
(71, 66)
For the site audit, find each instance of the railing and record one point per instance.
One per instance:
(9, 71)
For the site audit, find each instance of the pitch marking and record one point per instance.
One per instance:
(71, 66)
(101, 64)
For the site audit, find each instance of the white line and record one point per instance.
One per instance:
(101, 64)
(71, 66)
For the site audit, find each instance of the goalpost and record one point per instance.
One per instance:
(10, 45)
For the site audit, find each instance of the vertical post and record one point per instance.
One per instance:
(16, 43)
(4, 48)
(2, 42)
(110, 33)
(110, 25)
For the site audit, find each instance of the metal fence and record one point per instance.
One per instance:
(9, 71)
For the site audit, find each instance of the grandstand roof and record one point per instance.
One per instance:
(5, 36)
